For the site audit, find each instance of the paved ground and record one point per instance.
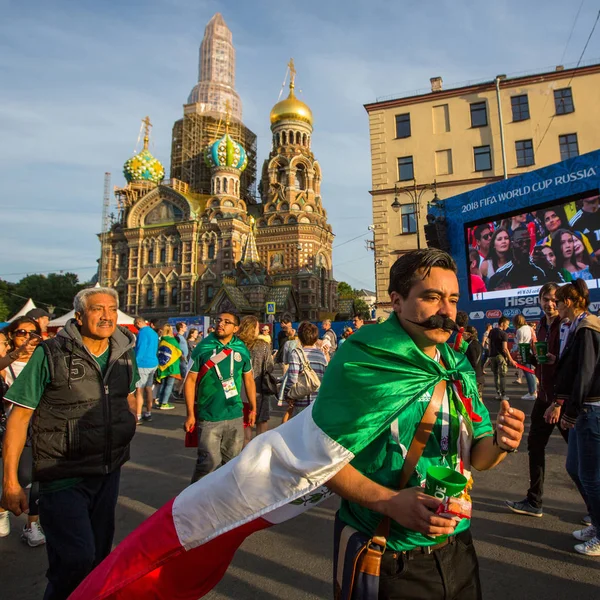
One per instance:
(521, 558)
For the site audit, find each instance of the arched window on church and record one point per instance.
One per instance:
(149, 297)
(174, 296)
(225, 185)
(175, 254)
(210, 292)
(304, 139)
(218, 189)
(300, 177)
(162, 296)
(163, 256)
(150, 256)
(211, 250)
(283, 138)
(281, 177)
(298, 138)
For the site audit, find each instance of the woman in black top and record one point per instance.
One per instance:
(577, 386)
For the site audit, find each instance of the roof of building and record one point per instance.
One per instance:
(457, 89)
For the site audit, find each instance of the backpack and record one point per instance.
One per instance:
(308, 381)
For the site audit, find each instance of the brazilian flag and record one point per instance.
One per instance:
(168, 357)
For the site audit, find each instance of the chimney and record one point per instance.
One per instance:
(436, 84)
(560, 68)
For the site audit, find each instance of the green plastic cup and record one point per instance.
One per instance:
(443, 481)
(525, 352)
(541, 351)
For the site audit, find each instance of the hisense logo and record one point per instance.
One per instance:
(529, 301)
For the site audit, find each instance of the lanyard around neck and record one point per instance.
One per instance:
(218, 371)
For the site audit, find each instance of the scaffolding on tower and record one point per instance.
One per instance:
(106, 224)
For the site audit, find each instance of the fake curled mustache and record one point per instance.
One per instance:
(437, 322)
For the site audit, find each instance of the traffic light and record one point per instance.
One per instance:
(435, 233)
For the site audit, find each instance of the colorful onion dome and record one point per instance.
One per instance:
(226, 153)
(143, 167)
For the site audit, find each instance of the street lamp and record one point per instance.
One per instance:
(415, 193)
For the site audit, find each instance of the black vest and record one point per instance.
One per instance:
(83, 424)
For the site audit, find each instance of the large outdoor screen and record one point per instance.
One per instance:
(521, 251)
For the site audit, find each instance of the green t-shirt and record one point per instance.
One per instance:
(382, 460)
(211, 401)
(28, 389)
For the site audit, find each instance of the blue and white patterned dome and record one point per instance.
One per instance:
(226, 153)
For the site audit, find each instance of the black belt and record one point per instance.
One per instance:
(419, 550)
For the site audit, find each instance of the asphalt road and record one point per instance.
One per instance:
(520, 557)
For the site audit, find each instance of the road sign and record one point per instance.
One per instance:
(270, 308)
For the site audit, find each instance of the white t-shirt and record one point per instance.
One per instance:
(524, 335)
(17, 366)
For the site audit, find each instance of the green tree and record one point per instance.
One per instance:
(345, 290)
(57, 290)
(4, 310)
(361, 308)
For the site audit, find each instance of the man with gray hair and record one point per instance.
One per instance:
(329, 336)
(78, 392)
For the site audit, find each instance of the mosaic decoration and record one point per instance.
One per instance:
(143, 167)
(226, 153)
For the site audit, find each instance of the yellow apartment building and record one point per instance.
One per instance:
(446, 141)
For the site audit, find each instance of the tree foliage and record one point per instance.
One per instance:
(345, 290)
(55, 290)
(360, 307)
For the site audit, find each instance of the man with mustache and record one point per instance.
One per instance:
(78, 391)
(378, 391)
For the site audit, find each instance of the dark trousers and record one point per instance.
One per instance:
(451, 573)
(79, 524)
(537, 440)
(218, 443)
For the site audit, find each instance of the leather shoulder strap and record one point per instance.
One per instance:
(415, 451)
(419, 441)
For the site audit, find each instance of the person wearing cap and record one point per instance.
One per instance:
(42, 317)
(265, 334)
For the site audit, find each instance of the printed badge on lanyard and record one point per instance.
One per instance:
(229, 383)
(445, 437)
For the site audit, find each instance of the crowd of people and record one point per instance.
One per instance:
(555, 244)
(76, 399)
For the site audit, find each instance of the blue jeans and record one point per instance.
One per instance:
(166, 388)
(583, 459)
(79, 523)
(531, 381)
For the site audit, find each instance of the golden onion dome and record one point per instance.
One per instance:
(291, 107)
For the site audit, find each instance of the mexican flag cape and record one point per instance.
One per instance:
(183, 550)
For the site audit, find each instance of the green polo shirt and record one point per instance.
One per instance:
(28, 389)
(211, 403)
(382, 460)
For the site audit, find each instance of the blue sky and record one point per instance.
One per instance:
(77, 76)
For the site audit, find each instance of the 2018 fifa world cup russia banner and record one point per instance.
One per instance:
(511, 237)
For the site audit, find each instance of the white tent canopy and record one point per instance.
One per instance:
(122, 319)
(29, 305)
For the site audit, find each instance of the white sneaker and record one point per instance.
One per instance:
(33, 536)
(585, 534)
(589, 548)
(4, 524)
(528, 397)
(505, 397)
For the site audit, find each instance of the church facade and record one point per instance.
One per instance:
(179, 250)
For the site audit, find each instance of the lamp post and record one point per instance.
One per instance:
(415, 193)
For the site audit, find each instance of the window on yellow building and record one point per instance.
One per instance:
(568, 146)
(406, 170)
(478, 114)
(524, 149)
(443, 162)
(483, 158)
(441, 119)
(520, 107)
(563, 101)
(403, 125)
(409, 218)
